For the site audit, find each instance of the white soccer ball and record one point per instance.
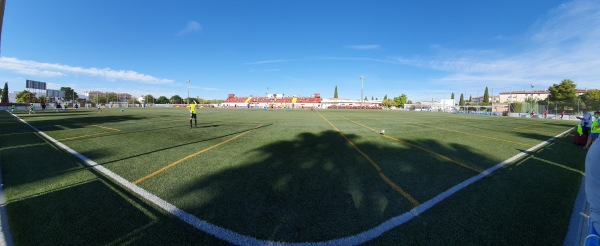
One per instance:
(382, 132)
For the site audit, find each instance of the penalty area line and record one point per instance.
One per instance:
(192, 155)
(385, 178)
(219, 232)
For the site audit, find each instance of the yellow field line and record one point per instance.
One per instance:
(83, 136)
(93, 134)
(525, 126)
(23, 146)
(381, 174)
(537, 130)
(418, 147)
(192, 155)
(113, 129)
(559, 165)
(477, 135)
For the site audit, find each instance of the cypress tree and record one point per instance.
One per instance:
(486, 96)
(5, 93)
(335, 93)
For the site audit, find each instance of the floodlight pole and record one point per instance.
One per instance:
(532, 98)
(188, 87)
(362, 90)
(509, 99)
(492, 102)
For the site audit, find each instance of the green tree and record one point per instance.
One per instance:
(470, 98)
(591, 99)
(384, 97)
(366, 99)
(189, 100)
(335, 93)
(209, 101)
(486, 96)
(148, 99)
(162, 100)
(461, 101)
(176, 99)
(452, 96)
(388, 103)
(111, 97)
(26, 96)
(517, 107)
(401, 100)
(103, 98)
(5, 93)
(132, 100)
(566, 90)
(70, 94)
(43, 99)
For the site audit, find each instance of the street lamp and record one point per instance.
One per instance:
(362, 90)
(532, 105)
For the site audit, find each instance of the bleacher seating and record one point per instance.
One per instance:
(354, 107)
(288, 100)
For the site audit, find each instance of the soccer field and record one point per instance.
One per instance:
(257, 177)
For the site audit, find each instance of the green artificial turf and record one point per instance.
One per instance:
(293, 176)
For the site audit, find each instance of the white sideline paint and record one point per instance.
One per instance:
(239, 239)
(5, 236)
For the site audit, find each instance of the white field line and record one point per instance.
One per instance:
(239, 239)
(5, 236)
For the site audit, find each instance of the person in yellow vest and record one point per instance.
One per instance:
(595, 130)
(193, 108)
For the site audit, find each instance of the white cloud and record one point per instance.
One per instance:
(364, 47)
(562, 44)
(46, 70)
(191, 26)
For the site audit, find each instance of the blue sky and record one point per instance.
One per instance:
(425, 49)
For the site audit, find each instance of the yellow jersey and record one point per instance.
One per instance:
(192, 108)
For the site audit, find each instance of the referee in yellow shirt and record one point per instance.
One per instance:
(192, 108)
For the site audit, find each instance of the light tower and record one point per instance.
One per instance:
(362, 90)
(188, 97)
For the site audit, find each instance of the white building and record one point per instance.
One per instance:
(445, 105)
(521, 96)
(493, 99)
(326, 102)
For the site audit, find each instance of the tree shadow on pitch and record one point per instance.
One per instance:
(316, 187)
